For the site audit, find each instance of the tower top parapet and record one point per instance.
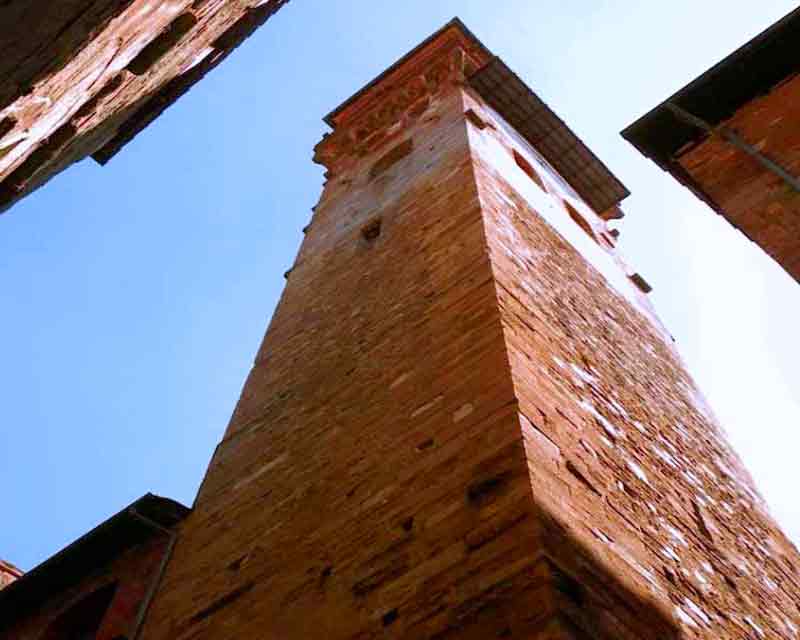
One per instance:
(378, 112)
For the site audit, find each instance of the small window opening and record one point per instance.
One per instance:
(475, 119)
(7, 124)
(90, 105)
(371, 230)
(392, 157)
(165, 41)
(83, 619)
(390, 617)
(578, 219)
(568, 586)
(526, 166)
(641, 283)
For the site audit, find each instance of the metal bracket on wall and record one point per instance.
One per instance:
(732, 138)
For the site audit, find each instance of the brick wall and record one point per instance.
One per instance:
(756, 201)
(626, 460)
(464, 420)
(81, 77)
(133, 572)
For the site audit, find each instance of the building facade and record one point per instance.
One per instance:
(465, 420)
(733, 137)
(100, 586)
(83, 77)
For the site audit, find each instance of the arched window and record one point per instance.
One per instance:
(82, 620)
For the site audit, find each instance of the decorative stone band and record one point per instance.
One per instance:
(379, 113)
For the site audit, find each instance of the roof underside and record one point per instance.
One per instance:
(95, 549)
(751, 71)
(507, 94)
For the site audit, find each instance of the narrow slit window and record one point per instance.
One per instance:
(578, 219)
(475, 119)
(526, 166)
(392, 157)
(641, 283)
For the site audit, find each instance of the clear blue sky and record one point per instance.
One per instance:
(133, 297)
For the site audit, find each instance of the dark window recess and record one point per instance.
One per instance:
(6, 125)
(483, 491)
(82, 620)
(167, 39)
(578, 219)
(475, 119)
(526, 166)
(641, 283)
(390, 618)
(90, 105)
(569, 587)
(392, 157)
(371, 230)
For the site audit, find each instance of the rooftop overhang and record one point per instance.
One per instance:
(750, 72)
(507, 94)
(512, 99)
(147, 517)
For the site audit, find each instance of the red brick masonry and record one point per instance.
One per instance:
(464, 420)
(759, 203)
(83, 77)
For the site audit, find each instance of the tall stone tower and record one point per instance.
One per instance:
(465, 420)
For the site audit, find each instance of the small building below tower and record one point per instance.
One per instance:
(100, 585)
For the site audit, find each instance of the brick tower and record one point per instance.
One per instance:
(465, 421)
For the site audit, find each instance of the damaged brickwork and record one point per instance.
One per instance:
(83, 77)
(465, 420)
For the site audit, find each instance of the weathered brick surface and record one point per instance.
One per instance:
(134, 572)
(82, 77)
(464, 420)
(758, 202)
(623, 453)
